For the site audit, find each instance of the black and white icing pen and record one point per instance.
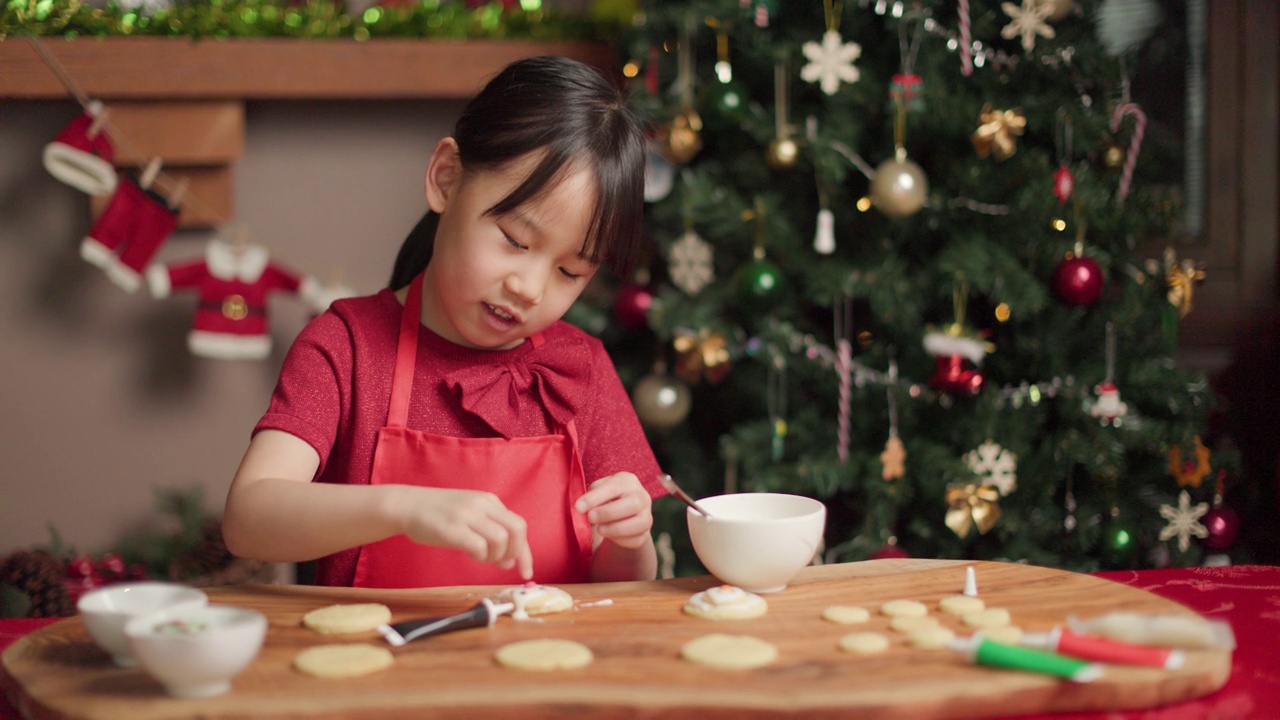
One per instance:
(484, 613)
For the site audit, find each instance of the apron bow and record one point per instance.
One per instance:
(542, 379)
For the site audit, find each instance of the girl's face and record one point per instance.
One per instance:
(495, 280)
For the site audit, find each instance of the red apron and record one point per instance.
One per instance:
(539, 478)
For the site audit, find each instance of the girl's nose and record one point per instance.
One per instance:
(527, 284)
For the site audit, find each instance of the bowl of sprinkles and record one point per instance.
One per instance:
(196, 652)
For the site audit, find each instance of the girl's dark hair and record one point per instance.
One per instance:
(571, 113)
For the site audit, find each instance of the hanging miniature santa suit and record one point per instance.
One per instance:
(82, 157)
(233, 282)
(128, 233)
(539, 478)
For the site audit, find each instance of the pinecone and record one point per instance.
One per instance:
(207, 556)
(38, 575)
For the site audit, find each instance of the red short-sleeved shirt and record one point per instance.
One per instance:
(335, 387)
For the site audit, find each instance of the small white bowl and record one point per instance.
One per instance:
(194, 652)
(757, 541)
(106, 610)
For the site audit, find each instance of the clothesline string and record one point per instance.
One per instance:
(118, 137)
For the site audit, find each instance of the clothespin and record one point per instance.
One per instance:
(178, 193)
(99, 121)
(149, 174)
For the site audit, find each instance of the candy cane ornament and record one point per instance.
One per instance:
(844, 365)
(1135, 142)
(966, 41)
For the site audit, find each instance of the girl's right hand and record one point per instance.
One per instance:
(472, 521)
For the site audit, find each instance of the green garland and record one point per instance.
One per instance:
(314, 19)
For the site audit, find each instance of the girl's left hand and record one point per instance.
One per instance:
(619, 508)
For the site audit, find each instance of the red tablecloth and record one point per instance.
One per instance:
(1246, 596)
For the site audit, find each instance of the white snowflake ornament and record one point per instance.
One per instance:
(1028, 21)
(689, 262)
(1184, 521)
(831, 62)
(994, 465)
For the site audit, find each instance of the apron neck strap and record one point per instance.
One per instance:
(406, 355)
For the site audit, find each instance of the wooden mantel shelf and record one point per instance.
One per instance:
(154, 68)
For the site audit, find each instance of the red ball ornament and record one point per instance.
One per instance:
(1223, 525)
(891, 551)
(1078, 280)
(631, 305)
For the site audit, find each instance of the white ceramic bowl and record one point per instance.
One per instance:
(106, 610)
(194, 652)
(757, 541)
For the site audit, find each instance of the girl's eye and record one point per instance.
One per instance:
(570, 275)
(512, 242)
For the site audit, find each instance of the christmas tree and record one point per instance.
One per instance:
(901, 261)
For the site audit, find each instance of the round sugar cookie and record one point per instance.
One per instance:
(1007, 634)
(348, 618)
(536, 600)
(732, 652)
(544, 654)
(930, 638)
(904, 608)
(726, 602)
(864, 643)
(908, 623)
(846, 614)
(342, 661)
(991, 617)
(961, 605)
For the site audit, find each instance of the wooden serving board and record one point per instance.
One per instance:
(57, 672)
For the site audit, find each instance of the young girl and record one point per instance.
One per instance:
(451, 429)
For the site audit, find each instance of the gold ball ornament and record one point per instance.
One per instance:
(1112, 156)
(661, 400)
(899, 187)
(681, 139)
(783, 153)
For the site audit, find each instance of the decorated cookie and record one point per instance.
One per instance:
(349, 618)
(726, 602)
(544, 654)
(733, 652)
(342, 661)
(535, 600)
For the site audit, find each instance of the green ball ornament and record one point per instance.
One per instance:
(1119, 544)
(759, 284)
(729, 102)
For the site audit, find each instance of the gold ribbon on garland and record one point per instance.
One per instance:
(995, 134)
(972, 505)
(701, 354)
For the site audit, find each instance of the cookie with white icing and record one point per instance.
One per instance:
(535, 600)
(726, 602)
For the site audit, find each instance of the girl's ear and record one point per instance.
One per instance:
(443, 174)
